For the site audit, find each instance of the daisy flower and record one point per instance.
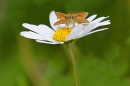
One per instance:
(60, 35)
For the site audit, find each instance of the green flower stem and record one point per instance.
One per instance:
(74, 64)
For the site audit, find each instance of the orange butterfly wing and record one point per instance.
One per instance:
(82, 15)
(81, 20)
(60, 15)
(61, 21)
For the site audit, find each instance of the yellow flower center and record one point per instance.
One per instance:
(60, 34)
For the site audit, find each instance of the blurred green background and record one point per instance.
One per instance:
(103, 58)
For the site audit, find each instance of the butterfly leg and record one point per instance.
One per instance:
(65, 25)
(74, 24)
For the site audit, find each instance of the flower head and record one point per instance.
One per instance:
(59, 34)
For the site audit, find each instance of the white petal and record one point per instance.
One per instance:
(45, 30)
(75, 31)
(53, 19)
(95, 31)
(91, 18)
(107, 22)
(92, 25)
(40, 29)
(99, 19)
(48, 42)
(87, 29)
(31, 35)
